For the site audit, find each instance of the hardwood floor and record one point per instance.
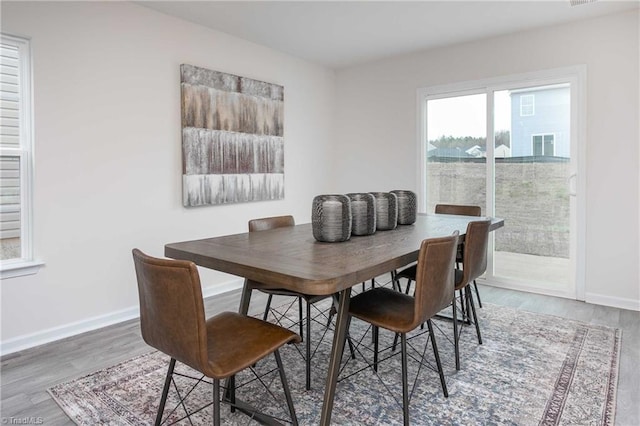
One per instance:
(25, 376)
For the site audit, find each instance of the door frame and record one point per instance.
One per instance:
(576, 76)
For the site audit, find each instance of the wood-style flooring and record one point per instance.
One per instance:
(25, 376)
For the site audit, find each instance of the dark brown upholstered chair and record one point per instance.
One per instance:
(172, 320)
(461, 210)
(265, 224)
(474, 253)
(454, 209)
(401, 313)
(474, 265)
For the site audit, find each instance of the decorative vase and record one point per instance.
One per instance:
(363, 213)
(407, 205)
(386, 210)
(331, 218)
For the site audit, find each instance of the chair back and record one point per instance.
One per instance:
(476, 241)
(171, 308)
(434, 277)
(458, 209)
(266, 223)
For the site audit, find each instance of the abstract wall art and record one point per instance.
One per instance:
(232, 138)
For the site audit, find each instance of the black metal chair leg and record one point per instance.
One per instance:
(308, 348)
(266, 309)
(406, 290)
(376, 333)
(285, 387)
(475, 287)
(455, 333)
(464, 306)
(405, 380)
(351, 348)
(300, 316)
(473, 312)
(437, 356)
(232, 393)
(395, 342)
(395, 282)
(165, 391)
(216, 402)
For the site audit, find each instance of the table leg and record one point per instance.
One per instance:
(245, 298)
(339, 337)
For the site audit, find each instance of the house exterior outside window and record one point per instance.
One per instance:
(545, 133)
(16, 158)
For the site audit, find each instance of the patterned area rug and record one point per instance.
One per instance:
(530, 370)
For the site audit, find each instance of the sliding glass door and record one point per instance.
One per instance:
(525, 173)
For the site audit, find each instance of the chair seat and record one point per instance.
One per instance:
(236, 341)
(384, 308)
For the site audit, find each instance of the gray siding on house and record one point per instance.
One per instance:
(551, 116)
(9, 138)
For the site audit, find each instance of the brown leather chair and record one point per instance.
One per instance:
(474, 254)
(172, 320)
(454, 209)
(461, 210)
(401, 313)
(474, 265)
(264, 224)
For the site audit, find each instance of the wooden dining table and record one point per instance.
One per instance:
(290, 258)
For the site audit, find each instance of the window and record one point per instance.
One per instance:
(527, 105)
(543, 145)
(515, 171)
(16, 158)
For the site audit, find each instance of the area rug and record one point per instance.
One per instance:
(530, 370)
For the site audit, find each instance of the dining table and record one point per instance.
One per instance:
(290, 258)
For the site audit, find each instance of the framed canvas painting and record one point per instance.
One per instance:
(232, 138)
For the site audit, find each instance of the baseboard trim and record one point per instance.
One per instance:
(615, 302)
(28, 341)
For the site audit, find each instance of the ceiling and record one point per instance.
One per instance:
(339, 34)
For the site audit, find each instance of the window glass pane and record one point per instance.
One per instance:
(527, 105)
(548, 145)
(10, 207)
(456, 151)
(15, 145)
(537, 145)
(9, 97)
(531, 191)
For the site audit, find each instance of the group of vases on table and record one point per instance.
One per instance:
(336, 217)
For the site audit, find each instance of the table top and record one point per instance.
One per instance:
(291, 258)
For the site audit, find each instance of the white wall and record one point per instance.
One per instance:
(376, 124)
(108, 159)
